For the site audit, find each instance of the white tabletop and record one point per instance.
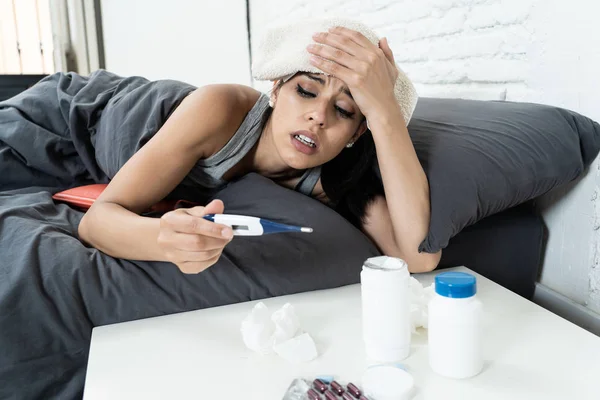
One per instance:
(530, 352)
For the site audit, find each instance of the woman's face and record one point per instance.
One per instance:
(313, 119)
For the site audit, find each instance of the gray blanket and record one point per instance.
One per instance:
(70, 130)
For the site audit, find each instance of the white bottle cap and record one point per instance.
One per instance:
(387, 382)
(386, 263)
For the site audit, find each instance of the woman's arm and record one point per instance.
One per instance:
(399, 222)
(398, 231)
(199, 126)
(378, 226)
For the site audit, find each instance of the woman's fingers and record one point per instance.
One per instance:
(339, 42)
(193, 242)
(353, 35)
(181, 257)
(214, 207)
(332, 68)
(333, 54)
(387, 51)
(191, 221)
(193, 267)
(190, 241)
(385, 47)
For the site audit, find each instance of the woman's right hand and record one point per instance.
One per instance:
(191, 242)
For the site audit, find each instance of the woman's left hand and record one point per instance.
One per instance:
(369, 71)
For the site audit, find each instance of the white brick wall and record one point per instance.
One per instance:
(544, 51)
(481, 45)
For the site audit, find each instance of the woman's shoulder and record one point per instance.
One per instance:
(246, 95)
(232, 98)
(223, 107)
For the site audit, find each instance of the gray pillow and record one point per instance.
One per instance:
(279, 264)
(482, 157)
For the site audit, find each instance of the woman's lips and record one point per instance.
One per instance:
(301, 147)
(309, 135)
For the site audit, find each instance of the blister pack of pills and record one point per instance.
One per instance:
(323, 388)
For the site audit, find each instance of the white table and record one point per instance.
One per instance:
(530, 352)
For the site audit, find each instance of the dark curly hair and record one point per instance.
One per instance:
(350, 179)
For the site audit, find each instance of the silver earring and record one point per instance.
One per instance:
(350, 144)
(271, 103)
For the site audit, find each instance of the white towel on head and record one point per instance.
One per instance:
(282, 52)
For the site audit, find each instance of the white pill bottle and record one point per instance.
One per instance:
(385, 285)
(455, 326)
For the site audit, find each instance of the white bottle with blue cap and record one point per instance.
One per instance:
(454, 326)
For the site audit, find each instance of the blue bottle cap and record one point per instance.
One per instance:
(457, 285)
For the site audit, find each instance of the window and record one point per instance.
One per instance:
(26, 45)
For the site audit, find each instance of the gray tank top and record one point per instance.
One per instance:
(209, 172)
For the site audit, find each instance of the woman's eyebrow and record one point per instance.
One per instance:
(343, 89)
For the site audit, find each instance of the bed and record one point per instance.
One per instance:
(54, 289)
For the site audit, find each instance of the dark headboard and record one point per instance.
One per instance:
(11, 85)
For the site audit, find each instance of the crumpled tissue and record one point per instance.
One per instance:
(279, 333)
(419, 300)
